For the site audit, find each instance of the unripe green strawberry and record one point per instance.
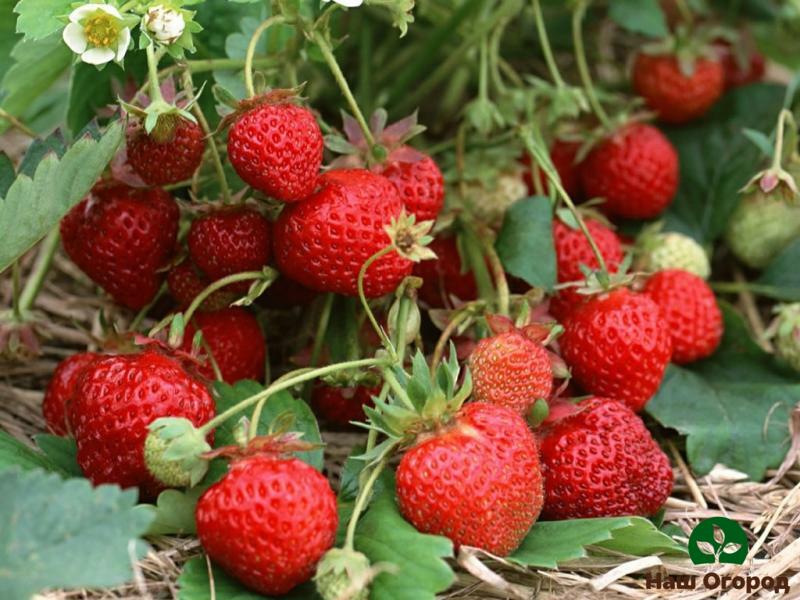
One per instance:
(673, 250)
(787, 334)
(343, 574)
(761, 227)
(490, 200)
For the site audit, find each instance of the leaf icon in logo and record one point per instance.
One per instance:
(719, 535)
(706, 548)
(731, 548)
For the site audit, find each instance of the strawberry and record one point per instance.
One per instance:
(511, 368)
(672, 250)
(277, 149)
(678, 96)
(563, 153)
(323, 241)
(60, 390)
(185, 282)
(762, 226)
(234, 340)
(268, 521)
(690, 310)
(618, 345)
(420, 185)
(475, 480)
(341, 405)
(741, 68)
(121, 238)
(228, 241)
(635, 170)
(445, 276)
(116, 398)
(573, 250)
(601, 461)
(169, 160)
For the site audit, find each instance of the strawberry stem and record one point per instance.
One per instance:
(188, 85)
(221, 283)
(499, 274)
(152, 74)
(36, 278)
(363, 496)
(373, 321)
(15, 122)
(777, 157)
(251, 50)
(583, 67)
(544, 42)
(447, 333)
(284, 383)
(137, 320)
(341, 81)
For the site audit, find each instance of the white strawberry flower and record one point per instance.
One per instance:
(166, 24)
(97, 33)
(347, 3)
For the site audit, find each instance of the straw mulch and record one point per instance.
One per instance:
(770, 512)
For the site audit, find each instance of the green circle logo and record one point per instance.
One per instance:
(718, 540)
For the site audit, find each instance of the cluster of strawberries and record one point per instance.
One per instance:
(477, 473)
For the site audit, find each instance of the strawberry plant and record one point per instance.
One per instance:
(381, 299)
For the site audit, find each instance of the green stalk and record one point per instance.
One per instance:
(544, 42)
(583, 67)
(152, 75)
(341, 81)
(218, 285)
(477, 263)
(226, 64)
(188, 85)
(284, 384)
(33, 284)
(251, 50)
(499, 274)
(137, 320)
(373, 321)
(363, 495)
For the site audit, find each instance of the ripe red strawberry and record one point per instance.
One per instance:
(323, 241)
(341, 405)
(117, 397)
(563, 154)
(618, 346)
(420, 184)
(268, 521)
(740, 72)
(277, 149)
(573, 250)
(601, 461)
(169, 160)
(635, 170)
(185, 282)
(476, 480)
(60, 389)
(676, 97)
(121, 237)
(511, 369)
(445, 275)
(234, 339)
(690, 310)
(228, 241)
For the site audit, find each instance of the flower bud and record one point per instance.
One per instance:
(165, 24)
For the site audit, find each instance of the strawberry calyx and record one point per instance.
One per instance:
(174, 452)
(688, 45)
(344, 573)
(390, 142)
(409, 238)
(159, 117)
(270, 97)
(279, 444)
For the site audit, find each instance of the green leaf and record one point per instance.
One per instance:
(8, 33)
(717, 159)
(552, 542)
(35, 205)
(39, 148)
(384, 536)
(639, 16)
(174, 512)
(194, 585)
(7, 173)
(781, 279)
(64, 533)
(525, 243)
(89, 90)
(14, 453)
(39, 18)
(734, 407)
(280, 403)
(36, 66)
(62, 452)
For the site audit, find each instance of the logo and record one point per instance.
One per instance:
(718, 540)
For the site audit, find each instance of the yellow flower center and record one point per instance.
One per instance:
(101, 29)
